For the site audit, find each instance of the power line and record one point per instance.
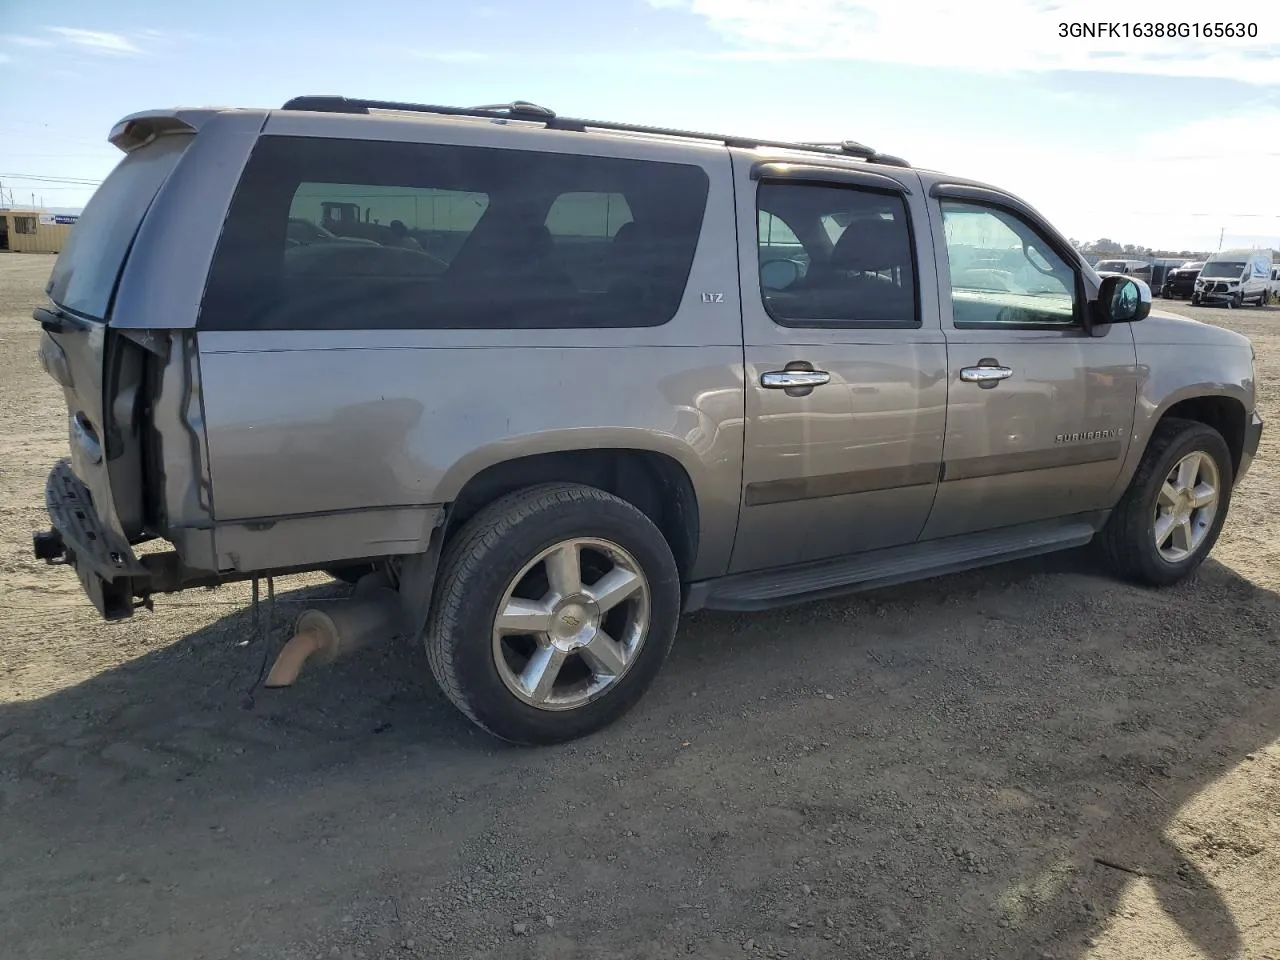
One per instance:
(57, 156)
(81, 181)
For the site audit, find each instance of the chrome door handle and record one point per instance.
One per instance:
(793, 379)
(985, 374)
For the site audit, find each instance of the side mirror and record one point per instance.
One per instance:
(779, 274)
(1123, 300)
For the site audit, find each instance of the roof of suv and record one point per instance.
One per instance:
(521, 110)
(141, 128)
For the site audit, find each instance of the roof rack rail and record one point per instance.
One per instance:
(523, 110)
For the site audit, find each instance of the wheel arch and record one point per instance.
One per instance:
(654, 482)
(1222, 412)
(1223, 406)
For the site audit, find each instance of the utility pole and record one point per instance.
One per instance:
(1221, 233)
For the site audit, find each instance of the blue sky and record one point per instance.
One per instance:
(1169, 144)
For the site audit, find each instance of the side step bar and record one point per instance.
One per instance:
(893, 565)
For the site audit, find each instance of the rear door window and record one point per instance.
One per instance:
(341, 234)
(85, 274)
(836, 256)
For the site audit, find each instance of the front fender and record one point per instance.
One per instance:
(1169, 374)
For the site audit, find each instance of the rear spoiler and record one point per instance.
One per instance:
(139, 129)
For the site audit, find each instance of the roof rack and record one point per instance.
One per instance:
(532, 112)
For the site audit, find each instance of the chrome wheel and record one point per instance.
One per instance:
(571, 623)
(1186, 506)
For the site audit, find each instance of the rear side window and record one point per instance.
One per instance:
(345, 234)
(836, 256)
(84, 277)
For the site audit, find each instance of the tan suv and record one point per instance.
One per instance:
(550, 382)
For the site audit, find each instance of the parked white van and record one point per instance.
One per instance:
(1235, 277)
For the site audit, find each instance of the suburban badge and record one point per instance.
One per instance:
(1086, 435)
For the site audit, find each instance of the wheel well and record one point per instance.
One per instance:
(1225, 414)
(654, 483)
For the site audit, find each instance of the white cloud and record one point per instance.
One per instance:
(98, 41)
(1005, 36)
(5, 58)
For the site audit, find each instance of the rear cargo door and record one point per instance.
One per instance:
(100, 369)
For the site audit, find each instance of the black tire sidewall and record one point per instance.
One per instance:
(494, 706)
(1209, 441)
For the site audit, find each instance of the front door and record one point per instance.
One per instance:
(1040, 409)
(845, 362)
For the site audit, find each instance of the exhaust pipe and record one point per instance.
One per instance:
(331, 629)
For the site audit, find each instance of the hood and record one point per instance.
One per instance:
(1170, 328)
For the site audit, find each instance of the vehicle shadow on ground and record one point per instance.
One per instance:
(978, 765)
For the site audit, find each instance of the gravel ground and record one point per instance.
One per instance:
(1032, 761)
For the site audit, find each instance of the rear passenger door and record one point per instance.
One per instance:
(1040, 409)
(845, 361)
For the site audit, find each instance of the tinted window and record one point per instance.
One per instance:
(582, 227)
(338, 234)
(1003, 271)
(852, 251)
(777, 240)
(85, 274)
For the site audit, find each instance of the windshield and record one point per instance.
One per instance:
(84, 276)
(1115, 266)
(1225, 269)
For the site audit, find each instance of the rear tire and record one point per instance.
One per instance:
(581, 639)
(1131, 542)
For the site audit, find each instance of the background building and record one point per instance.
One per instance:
(34, 231)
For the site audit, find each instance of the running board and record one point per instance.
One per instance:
(765, 589)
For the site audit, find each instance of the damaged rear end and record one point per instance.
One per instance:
(119, 329)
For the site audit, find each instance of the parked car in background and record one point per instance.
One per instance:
(646, 372)
(1180, 283)
(1138, 269)
(1234, 278)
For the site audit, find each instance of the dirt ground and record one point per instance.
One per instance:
(932, 771)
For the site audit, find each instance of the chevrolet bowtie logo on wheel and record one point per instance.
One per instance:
(570, 621)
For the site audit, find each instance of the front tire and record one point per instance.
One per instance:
(554, 610)
(1170, 517)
